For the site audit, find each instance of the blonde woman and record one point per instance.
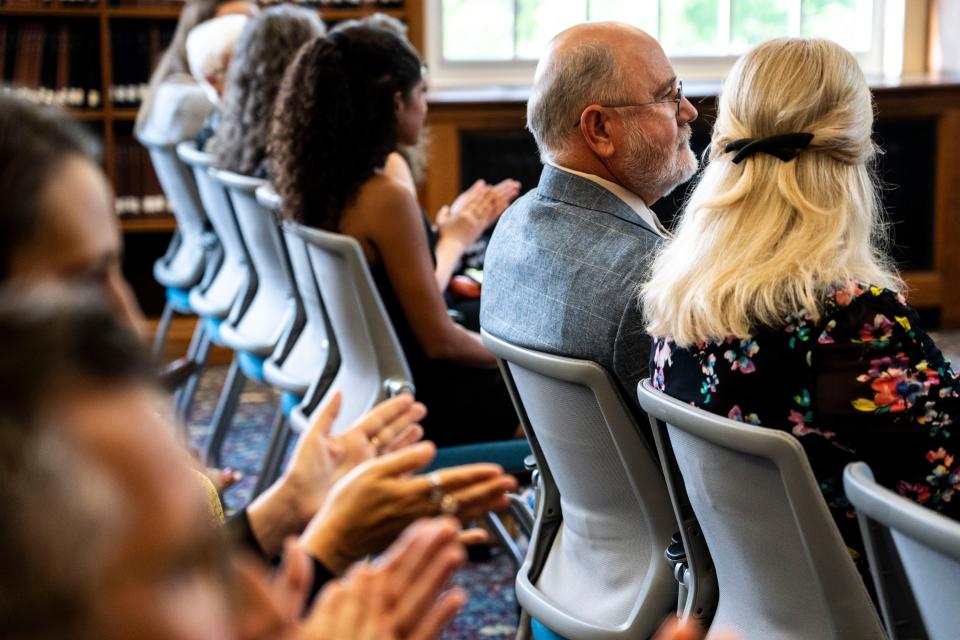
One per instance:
(774, 303)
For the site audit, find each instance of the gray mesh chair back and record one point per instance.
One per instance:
(183, 265)
(303, 352)
(215, 296)
(914, 556)
(255, 325)
(783, 570)
(595, 568)
(366, 361)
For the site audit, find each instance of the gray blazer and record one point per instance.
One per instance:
(561, 275)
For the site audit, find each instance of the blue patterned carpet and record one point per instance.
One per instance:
(491, 612)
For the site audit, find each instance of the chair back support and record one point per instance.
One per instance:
(258, 326)
(216, 297)
(595, 568)
(914, 556)
(182, 268)
(365, 352)
(783, 570)
(304, 350)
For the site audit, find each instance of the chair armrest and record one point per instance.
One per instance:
(395, 386)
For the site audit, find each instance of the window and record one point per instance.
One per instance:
(490, 40)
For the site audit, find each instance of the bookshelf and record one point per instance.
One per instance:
(123, 40)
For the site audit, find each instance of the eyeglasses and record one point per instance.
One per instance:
(678, 98)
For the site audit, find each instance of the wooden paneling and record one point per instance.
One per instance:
(947, 222)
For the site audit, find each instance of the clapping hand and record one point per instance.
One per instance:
(320, 460)
(369, 506)
(400, 595)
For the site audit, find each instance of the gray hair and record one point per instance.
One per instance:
(378, 21)
(266, 47)
(570, 82)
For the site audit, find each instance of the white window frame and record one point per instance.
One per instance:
(891, 41)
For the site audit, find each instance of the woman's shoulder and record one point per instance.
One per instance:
(855, 300)
(869, 315)
(856, 293)
(381, 205)
(380, 191)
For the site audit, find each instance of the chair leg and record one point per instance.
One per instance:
(183, 400)
(162, 328)
(503, 536)
(521, 511)
(223, 415)
(273, 459)
(523, 627)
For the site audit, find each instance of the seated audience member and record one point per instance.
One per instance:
(209, 48)
(346, 101)
(58, 227)
(774, 303)
(613, 130)
(108, 536)
(175, 107)
(265, 48)
(457, 227)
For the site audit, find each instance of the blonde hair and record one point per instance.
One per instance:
(765, 239)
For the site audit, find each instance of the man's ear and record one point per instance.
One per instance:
(595, 127)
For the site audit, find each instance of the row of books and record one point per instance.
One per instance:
(55, 62)
(337, 4)
(46, 4)
(145, 3)
(136, 48)
(153, 205)
(138, 190)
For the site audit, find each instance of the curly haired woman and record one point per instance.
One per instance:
(347, 100)
(265, 48)
(774, 303)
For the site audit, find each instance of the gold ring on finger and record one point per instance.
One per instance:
(436, 494)
(449, 505)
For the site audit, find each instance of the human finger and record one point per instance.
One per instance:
(383, 414)
(429, 581)
(388, 434)
(676, 629)
(507, 188)
(483, 497)
(439, 616)
(474, 536)
(411, 434)
(292, 581)
(371, 619)
(453, 478)
(443, 215)
(397, 463)
(326, 416)
(417, 546)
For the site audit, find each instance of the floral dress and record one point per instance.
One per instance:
(865, 382)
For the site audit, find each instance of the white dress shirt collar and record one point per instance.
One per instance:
(629, 198)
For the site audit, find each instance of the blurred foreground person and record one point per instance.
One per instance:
(107, 533)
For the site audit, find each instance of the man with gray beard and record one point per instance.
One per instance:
(561, 271)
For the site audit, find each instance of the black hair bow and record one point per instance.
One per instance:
(786, 146)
